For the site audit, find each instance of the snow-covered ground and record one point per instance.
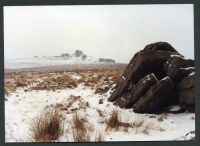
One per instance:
(22, 107)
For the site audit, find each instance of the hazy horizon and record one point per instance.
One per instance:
(101, 31)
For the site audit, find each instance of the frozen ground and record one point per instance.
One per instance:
(22, 106)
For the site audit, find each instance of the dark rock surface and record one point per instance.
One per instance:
(121, 87)
(78, 53)
(177, 68)
(146, 62)
(156, 77)
(128, 99)
(84, 57)
(185, 92)
(158, 96)
(162, 46)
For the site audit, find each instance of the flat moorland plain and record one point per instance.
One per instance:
(69, 104)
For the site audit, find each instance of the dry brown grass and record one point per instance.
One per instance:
(100, 113)
(79, 123)
(53, 83)
(99, 137)
(101, 90)
(80, 136)
(20, 83)
(53, 80)
(47, 127)
(9, 88)
(71, 100)
(139, 122)
(65, 106)
(145, 126)
(156, 127)
(113, 122)
(146, 129)
(80, 129)
(150, 126)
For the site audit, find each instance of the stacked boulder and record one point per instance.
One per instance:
(156, 77)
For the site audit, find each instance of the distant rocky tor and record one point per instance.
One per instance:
(106, 60)
(84, 57)
(156, 77)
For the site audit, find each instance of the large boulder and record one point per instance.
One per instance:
(156, 77)
(158, 96)
(185, 92)
(149, 60)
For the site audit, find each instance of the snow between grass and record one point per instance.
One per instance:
(22, 107)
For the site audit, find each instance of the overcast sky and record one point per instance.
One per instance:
(109, 31)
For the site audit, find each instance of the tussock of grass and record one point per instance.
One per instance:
(80, 130)
(47, 127)
(145, 126)
(113, 122)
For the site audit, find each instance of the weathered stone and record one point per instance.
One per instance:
(143, 63)
(187, 83)
(186, 92)
(186, 96)
(142, 86)
(160, 95)
(161, 50)
(124, 100)
(162, 46)
(119, 90)
(190, 108)
(169, 82)
(177, 68)
(129, 98)
(100, 101)
(131, 86)
(149, 60)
